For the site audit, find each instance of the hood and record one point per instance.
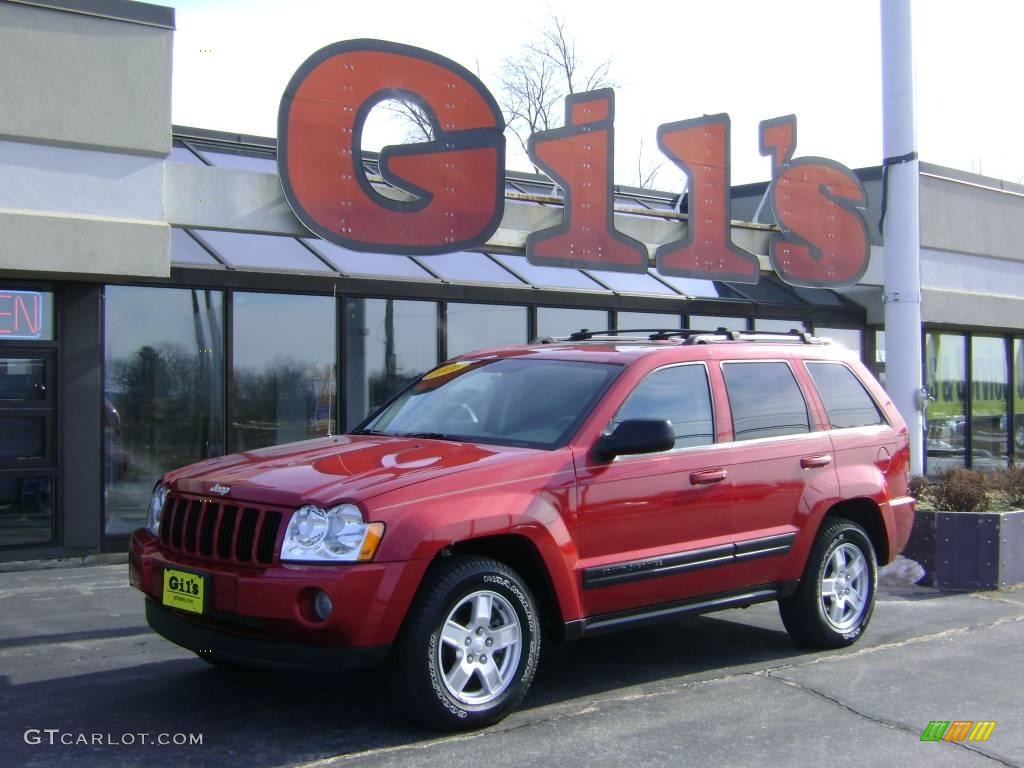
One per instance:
(329, 470)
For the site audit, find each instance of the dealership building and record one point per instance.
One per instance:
(160, 303)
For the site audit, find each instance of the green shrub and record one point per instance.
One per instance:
(1011, 483)
(919, 486)
(959, 490)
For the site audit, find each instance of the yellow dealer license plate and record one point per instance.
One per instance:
(184, 590)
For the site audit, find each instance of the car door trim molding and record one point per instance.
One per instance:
(611, 622)
(688, 560)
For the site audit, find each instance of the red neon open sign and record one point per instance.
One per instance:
(21, 314)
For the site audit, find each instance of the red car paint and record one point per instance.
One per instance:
(583, 516)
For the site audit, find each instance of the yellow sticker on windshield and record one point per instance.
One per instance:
(444, 370)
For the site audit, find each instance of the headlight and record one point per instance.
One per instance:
(338, 534)
(156, 509)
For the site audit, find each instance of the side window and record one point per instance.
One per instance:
(847, 402)
(765, 400)
(678, 394)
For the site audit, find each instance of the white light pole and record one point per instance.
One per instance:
(901, 230)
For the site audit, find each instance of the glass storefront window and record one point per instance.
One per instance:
(476, 326)
(846, 337)
(714, 322)
(878, 365)
(163, 401)
(778, 326)
(647, 320)
(1018, 399)
(388, 343)
(27, 507)
(989, 403)
(556, 321)
(284, 368)
(946, 381)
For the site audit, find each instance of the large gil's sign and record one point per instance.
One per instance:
(457, 179)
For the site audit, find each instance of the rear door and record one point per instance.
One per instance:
(870, 453)
(782, 468)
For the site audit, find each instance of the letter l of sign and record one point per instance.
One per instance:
(700, 147)
(579, 158)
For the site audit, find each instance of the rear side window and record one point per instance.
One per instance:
(765, 400)
(678, 394)
(847, 402)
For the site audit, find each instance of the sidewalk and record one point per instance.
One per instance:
(728, 689)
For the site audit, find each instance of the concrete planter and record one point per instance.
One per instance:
(967, 551)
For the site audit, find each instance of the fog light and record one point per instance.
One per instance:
(322, 605)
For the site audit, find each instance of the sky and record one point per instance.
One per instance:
(818, 59)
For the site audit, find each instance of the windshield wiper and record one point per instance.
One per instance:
(428, 435)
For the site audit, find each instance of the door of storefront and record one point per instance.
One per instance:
(28, 450)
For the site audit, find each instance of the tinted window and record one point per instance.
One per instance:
(388, 343)
(476, 326)
(283, 367)
(847, 402)
(163, 401)
(556, 321)
(511, 401)
(765, 400)
(679, 395)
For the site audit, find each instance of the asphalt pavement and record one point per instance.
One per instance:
(83, 682)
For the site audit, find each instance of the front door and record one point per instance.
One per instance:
(28, 451)
(651, 526)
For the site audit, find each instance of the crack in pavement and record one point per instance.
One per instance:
(668, 688)
(946, 633)
(891, 724)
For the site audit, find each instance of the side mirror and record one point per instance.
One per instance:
(635, 436)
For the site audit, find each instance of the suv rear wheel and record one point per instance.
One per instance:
(833, 604)
(469, 649)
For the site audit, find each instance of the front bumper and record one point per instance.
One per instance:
(270, 603)
(257, 652)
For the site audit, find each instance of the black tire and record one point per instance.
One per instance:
(420, 656)
(805, 614)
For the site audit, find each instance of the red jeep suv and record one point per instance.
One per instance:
(561, 489)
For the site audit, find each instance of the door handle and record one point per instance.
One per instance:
(708, 476)
(810, 462)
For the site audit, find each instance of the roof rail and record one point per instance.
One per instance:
(795, 336)
(687, 336)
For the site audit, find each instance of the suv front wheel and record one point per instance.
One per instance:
(833, 604)
(470, 645)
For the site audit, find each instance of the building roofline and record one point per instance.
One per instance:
(264, 144)
(117, 10)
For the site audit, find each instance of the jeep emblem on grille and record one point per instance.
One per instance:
(220, 490)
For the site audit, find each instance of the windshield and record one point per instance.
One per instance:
(507, 401)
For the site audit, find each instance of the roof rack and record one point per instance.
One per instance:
(687, 336)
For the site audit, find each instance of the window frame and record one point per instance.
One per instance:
(674, 450)
(811, 425)
(824, 406)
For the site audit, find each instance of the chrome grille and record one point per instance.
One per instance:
(215, 530)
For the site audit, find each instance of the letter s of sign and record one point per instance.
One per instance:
(819, 205)
(457, 179)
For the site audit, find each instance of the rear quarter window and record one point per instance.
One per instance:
(846, 401)
(765, 400)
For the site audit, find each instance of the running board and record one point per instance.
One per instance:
(651, 614)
